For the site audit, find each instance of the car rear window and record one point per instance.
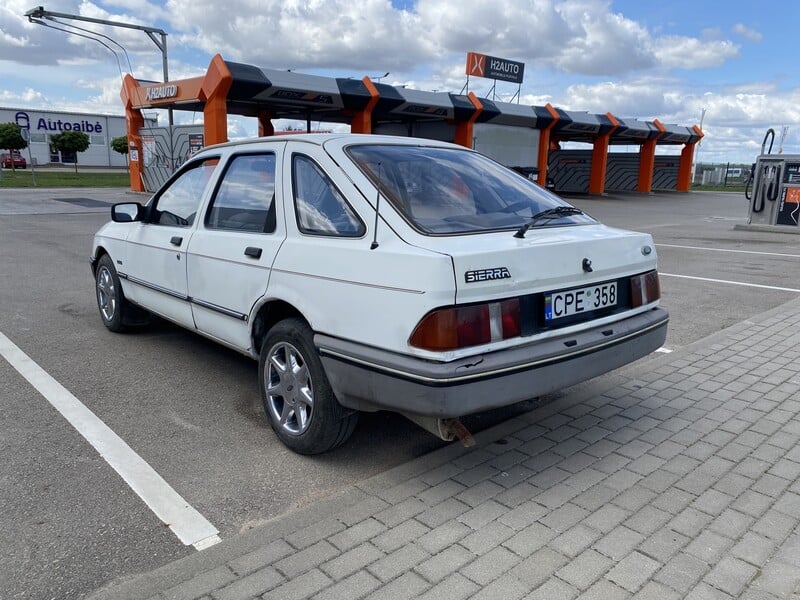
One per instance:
(449, 191)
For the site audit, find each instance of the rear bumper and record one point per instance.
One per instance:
(369, 379)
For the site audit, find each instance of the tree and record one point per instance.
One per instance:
(11, 138)
(120, 144)
(70, 141)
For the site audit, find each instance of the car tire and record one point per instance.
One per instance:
(298, 400)
(115, 310)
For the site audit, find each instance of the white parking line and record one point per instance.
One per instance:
(755, 285)
(184, 521)
(728, 250)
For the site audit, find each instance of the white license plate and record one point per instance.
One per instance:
(573, 302)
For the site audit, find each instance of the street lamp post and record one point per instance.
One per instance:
(158, 36)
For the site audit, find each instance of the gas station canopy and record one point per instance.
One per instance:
(266, 94)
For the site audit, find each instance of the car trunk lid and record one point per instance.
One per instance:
(498, 265)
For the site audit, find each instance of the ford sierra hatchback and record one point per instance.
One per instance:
(368, 272)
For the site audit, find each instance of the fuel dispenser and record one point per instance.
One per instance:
(773, 188)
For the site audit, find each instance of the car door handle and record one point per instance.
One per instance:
(252, 252)
(176, 240)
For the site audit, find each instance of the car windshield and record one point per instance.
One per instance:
(448, 191)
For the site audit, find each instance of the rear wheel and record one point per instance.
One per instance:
(297, 396)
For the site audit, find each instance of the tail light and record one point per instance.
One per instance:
(645, 289)
(463, 326)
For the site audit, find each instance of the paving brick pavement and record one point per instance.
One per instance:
(675, 478)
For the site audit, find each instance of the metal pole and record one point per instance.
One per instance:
(26, 135)
(161, 43)
(700, 143)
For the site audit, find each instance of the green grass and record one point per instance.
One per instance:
(23, 179)
(718, 188)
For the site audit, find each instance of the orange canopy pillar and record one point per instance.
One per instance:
(544, 146)
(214, 91)
(265, 127)
(134, 121)
(597, 174)
(464, 129)
(647, 161)
(685, 168)
(362, 120)
(685, 163)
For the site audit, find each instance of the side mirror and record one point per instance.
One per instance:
(127, 212)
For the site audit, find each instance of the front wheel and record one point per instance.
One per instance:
(110, 300)
(117, 313)
(297, 397)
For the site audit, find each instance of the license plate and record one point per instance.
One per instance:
(566, 303)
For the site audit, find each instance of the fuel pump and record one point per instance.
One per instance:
(773, 188)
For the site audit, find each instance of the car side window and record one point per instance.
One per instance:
(245, 199)
(178, 203)
(320, 208)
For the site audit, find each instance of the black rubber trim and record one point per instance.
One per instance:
(215, 307)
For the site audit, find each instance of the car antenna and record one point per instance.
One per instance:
(374, 243)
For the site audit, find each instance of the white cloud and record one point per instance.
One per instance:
(690, 53)
(27, 97)
(602, 43)
(521, 31)
(637, 98)
(747, 33)
(6, 39)
(331, 34)
(578, 36)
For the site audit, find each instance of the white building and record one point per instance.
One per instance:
(41, 124)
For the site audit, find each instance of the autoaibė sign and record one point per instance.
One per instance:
(23, 119)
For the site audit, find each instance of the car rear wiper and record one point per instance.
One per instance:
(550, 213)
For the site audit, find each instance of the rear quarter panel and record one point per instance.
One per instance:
(374, 297)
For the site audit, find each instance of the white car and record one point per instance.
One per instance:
(370, 272)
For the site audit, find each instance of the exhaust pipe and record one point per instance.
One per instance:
(444, 429)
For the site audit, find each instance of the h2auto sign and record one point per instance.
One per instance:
(491, 67)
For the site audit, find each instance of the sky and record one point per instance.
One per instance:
(731, 64)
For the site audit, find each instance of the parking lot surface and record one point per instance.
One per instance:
(190, 410)
(680, 481)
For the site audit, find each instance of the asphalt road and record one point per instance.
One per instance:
(190, 408)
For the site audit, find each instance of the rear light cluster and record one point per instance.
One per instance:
(457, 327)
(462, 326)
(645, 289)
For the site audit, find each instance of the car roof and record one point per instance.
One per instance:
(320, 139)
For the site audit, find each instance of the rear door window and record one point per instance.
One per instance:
(320, 207)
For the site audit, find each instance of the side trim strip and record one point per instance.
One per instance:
(210, 306)
(220, 309)
(154, 287)
(446, 381)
